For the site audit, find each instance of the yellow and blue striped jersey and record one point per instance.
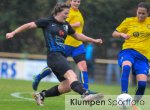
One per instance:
(74, 16)
(139, 35)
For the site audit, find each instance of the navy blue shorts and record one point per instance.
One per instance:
(59, 64)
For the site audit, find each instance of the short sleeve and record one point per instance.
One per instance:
(42, 23)
(73, 18)
(123, 27)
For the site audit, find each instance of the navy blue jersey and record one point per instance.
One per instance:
(55, 33)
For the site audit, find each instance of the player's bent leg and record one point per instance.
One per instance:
(36, 80)
(70, 76)
(57, 90)
(74, 83)
(64, 87)
(78, 87)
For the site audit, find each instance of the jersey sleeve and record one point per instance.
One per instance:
(70, 29)
(69, 18)
(123, 26)
(42, 23)
(73, 18)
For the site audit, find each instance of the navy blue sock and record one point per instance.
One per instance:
(125, 78)
(140, 90)
(84, 79)
(78, 87)
(51, 92)
(45, 72)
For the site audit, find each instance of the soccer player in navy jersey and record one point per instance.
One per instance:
(55, 30)
(73, 47)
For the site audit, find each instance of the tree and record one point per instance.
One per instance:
(101, 19)
(16, 13)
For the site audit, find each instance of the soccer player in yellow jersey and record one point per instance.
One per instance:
(134, 55)
(73, 47)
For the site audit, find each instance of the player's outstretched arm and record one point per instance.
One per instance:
(22, 28)
(85, 38)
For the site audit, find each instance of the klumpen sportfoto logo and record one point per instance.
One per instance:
(75, 102)
(110, 102)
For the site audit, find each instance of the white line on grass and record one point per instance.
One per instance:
(14, 100)
(18, 95)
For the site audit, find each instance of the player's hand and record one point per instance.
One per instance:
(9, 35)
(125, 36)
(98, 41)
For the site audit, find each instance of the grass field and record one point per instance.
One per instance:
(9, 87)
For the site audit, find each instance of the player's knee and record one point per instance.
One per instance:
(67, 89)
(70, 75)
(73, 77)
(126, 68)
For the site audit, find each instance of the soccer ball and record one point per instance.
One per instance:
(124, 101)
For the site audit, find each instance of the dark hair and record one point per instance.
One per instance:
(144, 5)
(59, 7)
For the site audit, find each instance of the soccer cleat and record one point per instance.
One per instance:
(35, 83)
(38, 98)
(91, 97)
